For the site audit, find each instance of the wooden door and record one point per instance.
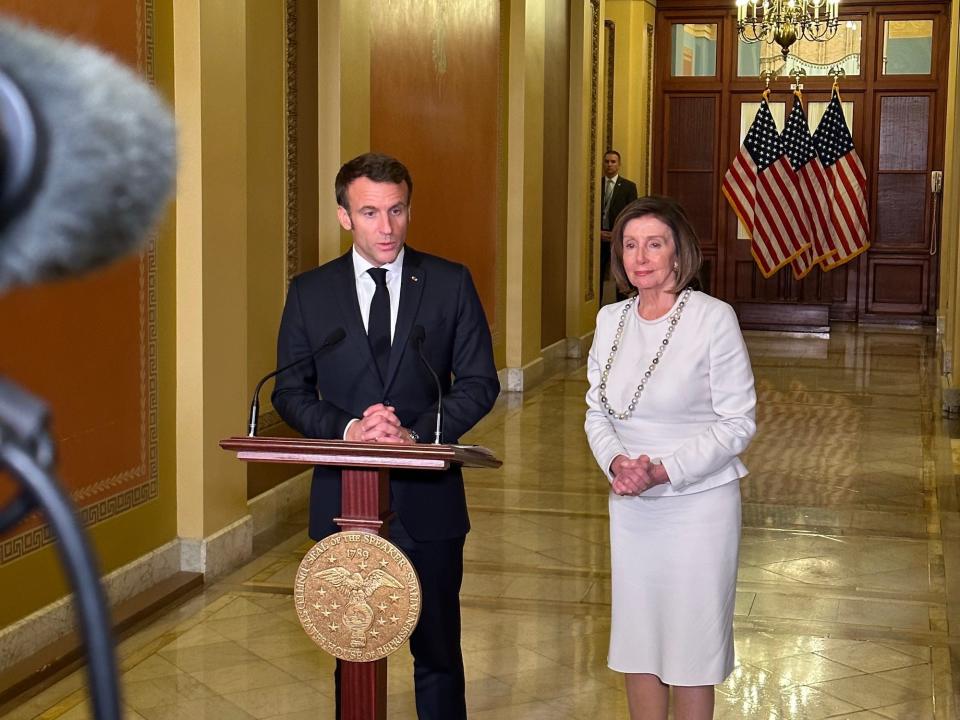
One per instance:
(895, 104)
(771, 301)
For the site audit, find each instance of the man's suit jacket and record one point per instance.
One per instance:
(624, 193)
(319, 398)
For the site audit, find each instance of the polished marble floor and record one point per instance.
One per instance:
(848, 587)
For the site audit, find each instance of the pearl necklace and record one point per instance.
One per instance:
(674, 319)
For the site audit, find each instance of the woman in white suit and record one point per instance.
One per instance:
(671, 405)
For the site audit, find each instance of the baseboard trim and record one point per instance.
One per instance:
(521, 379)
(210, 558)
(177, 567)
(557, 351)
(273, 507)
(784, 316)
(218, 554)
(65, 655)
(579, 347)
(45, 626)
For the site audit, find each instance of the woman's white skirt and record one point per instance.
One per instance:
(674, 573)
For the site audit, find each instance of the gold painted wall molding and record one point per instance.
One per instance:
(596, 149)
(343, 88)
(524, 188)
(268, 193)
(210, 61)
(300, 124)
(648, 99)
(948, 317)
(583, 223)
(632, 79)
(631, 132)
(291, 129)
(281, 184)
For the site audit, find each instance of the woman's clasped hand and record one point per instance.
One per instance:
(632, 476)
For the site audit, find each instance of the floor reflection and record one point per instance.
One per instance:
(847, 580)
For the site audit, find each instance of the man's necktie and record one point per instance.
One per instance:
(607, 196)
(378, 326)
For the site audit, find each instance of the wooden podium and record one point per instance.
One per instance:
(365, 507)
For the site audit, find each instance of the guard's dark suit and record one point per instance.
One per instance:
(319, 398)
(624, 193)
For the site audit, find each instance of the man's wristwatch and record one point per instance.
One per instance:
(414, 436)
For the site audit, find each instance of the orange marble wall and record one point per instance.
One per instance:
(88, 345)
(435, 103)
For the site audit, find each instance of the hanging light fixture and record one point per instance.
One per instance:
(785, 21)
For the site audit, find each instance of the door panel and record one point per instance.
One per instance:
(836, 288)
(904, 126)
(692, 117)
(695, 191)
(690, 172)
(898, 285)
(896, 114)
(903, 164)
(901, 210)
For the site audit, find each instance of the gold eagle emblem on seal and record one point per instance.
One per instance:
(357, 596)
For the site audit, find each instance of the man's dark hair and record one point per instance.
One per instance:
(373, 166)
(611, 151)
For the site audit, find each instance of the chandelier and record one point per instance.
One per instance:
(785, 21)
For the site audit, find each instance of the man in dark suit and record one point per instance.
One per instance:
(373, 387)
(616, 193)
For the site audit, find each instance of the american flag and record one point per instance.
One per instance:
(813, 188)
(848, 186)
(760, 185)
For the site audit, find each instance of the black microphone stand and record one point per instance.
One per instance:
(418, 339)
(334, 337)
(27, 452)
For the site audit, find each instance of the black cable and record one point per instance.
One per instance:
(82, 571)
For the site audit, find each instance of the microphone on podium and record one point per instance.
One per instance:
(417, 336)
(334, 337)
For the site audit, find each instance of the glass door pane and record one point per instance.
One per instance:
(907, 47)
(840, 51)
(694, 51)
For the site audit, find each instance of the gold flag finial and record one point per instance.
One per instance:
(798, 73)
(767, 76)
(836, 73)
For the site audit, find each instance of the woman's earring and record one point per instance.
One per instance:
(676, 267)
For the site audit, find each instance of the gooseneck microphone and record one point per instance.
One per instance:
(335, 336)
(87, 157)
(417, 336)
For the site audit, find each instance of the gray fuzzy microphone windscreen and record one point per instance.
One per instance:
(87, 157)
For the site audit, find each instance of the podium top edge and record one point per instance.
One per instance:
(468, 455)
